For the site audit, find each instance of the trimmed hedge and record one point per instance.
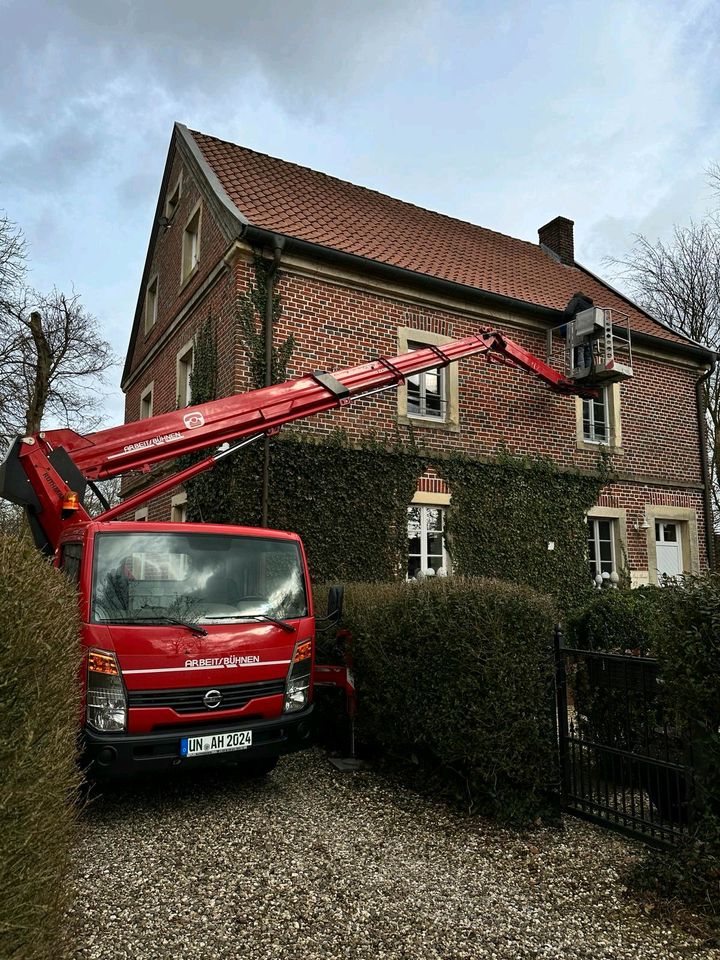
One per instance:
(39, 709)
(680, 625)
(455, 676)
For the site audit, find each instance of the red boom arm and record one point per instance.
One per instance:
(56, 461)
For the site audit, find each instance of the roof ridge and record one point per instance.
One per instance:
(370, 190)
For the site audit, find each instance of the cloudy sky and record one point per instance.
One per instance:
(502, 112)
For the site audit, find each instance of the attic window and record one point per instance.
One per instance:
(173, 201)
(151, 304)
(191, 244)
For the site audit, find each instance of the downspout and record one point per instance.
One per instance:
(268, 337)
(704, 463)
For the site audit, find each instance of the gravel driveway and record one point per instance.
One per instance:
(311, 863)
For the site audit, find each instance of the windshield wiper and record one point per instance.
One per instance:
(255, 616)
(160, 618)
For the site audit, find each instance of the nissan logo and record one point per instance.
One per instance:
(212, 699)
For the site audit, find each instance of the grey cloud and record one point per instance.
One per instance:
(136, 65)
(315, 48)
(49, 160)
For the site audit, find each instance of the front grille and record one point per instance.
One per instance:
(190, 699)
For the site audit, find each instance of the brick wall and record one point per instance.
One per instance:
(336, 324)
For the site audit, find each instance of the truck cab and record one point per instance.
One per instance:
(198, 644)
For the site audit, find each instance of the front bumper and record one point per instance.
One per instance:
(125, 755)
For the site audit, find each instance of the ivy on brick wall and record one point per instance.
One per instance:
(250, 321)
(522, 519)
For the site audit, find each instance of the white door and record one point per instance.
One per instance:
(668, 549)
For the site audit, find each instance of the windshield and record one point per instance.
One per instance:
(195, 577)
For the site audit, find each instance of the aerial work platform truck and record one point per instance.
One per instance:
(199, 639)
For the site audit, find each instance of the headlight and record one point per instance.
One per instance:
(297, 688)
(106, 701)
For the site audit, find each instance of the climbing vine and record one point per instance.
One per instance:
(522, 519)
(250, 325)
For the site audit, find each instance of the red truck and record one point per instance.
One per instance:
(199, 639)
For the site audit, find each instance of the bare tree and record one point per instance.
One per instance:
(678, 282)
(52, 355)
(12, 258)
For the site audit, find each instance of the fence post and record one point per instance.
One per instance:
(561, 715)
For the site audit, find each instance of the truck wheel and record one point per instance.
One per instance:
(256, 769)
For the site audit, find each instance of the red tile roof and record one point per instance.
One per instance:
(299, 202)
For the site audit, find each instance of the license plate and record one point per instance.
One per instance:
(217, 743)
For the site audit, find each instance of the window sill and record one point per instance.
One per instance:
(184, 282)
(447, 425)
(597, 445)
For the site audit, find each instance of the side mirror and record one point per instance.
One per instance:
(335, 603)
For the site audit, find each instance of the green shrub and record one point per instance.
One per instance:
(680, 625)
(456, 675)
(39, 706)
(617, 621)
(689, 658)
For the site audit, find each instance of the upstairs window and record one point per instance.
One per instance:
(426, 392)
(146, 402)
(191, 244)
(184, 372)
(596, 417)
(151, 304)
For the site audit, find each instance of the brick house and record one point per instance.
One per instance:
(362, 274)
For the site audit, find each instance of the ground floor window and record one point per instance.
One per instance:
(601, 547)
(668, 549)
(427, 555)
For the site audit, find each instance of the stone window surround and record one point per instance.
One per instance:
(179, 500)
(154, 282)
(180, 361)
(687, 518)
(149, 390)
(614, 422)
(451, 421)
(175, 194)
(196, 212)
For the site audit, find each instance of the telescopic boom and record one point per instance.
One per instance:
(47, 473)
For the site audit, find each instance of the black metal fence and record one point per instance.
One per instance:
(623, 763)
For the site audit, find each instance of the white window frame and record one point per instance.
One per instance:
(191, 242)
(423, 505)
(141, 514)
(613, 425)
(595, 520)
(148, 392)
(440, 372)
(589, 403)
(151, 303)
(678, 543)
(183, 372)
(450, 419)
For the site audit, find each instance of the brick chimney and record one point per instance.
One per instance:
(557, 236)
